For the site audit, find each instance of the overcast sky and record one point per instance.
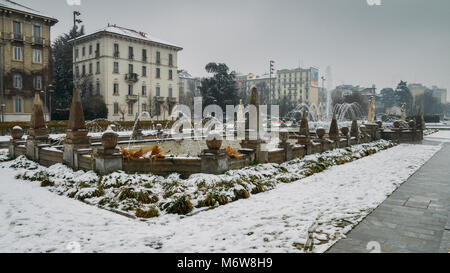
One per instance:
(399, 40)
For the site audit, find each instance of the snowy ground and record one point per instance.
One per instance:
(441, 136)
(32, 219)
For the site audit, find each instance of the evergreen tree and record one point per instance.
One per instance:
(62, 51)
(221, 88)
(403, 95)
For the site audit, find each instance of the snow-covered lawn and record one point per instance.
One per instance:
(32, 219)
(441, 136)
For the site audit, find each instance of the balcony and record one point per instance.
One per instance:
(18, 37)
(97, 54)
(131, 77)
(37, 40)
(132, 98)
(116, 54)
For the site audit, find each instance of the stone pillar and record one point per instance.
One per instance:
(214, 160)
(76, 134)
(38, 133)
(304, 135)
(284, 144)
(16, 139)
(255, 144)
(108, 158)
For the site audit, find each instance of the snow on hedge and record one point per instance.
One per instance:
(148, 196)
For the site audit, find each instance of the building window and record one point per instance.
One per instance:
(98, 68)
(158, 73)
(144, 55)
(170, 59)
(97, 50)
(116, 89)
(158, 91)
(144, 90)
(83, 70)
(116, 108)
(37, 34)
(17, 81)
(77, 71)
(90, 68)
(38, 82)
(90, 50)
(130, 89)
(98, 88)
(17, 29)
(158, 57)
(76, 53)
(116, 50)
(37, 56)
(83, 51)
(170, 74)
(17, 53)
(144, 107)
(17, 105)
(170, 92)
(130, 108)
(144, 71)
(116, 67)
(130, 53)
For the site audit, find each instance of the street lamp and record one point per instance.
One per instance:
(272, 70)
(76, 21)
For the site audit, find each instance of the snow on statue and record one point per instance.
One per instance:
(371, 115)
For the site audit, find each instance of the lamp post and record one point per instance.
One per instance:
(272, 70)
(76, 21)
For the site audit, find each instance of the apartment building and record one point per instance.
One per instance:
(299, 85)
(132, 70)
(26, 61)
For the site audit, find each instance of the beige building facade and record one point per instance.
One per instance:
(298, 85)
(25, 58)
(133, 71)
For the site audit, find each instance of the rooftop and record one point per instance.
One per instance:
(21, 8)
(114, 29)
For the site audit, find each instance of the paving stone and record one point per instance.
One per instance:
(415, 218)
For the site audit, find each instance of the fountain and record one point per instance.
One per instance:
(347, 110)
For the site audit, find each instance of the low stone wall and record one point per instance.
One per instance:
(403, 136)
(85, 162)
(298, 151)
(48, 157)
(166, 166)
(239, 163)
(21, 150)
(277, 156)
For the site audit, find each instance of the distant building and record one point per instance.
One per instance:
(418, 89)
(132, 70)
(264, 81)
(189, 84)
(298, 85)
(26, 60)
(440, 94)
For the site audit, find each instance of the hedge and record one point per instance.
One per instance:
(59, 127)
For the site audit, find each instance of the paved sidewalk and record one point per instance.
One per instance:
(415, 218)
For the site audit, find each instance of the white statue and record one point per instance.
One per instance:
(371, 116)
(240, 112)
(403, 115)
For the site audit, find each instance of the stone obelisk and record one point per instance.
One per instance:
(76, 133)
(38, 133)
(253, 136)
